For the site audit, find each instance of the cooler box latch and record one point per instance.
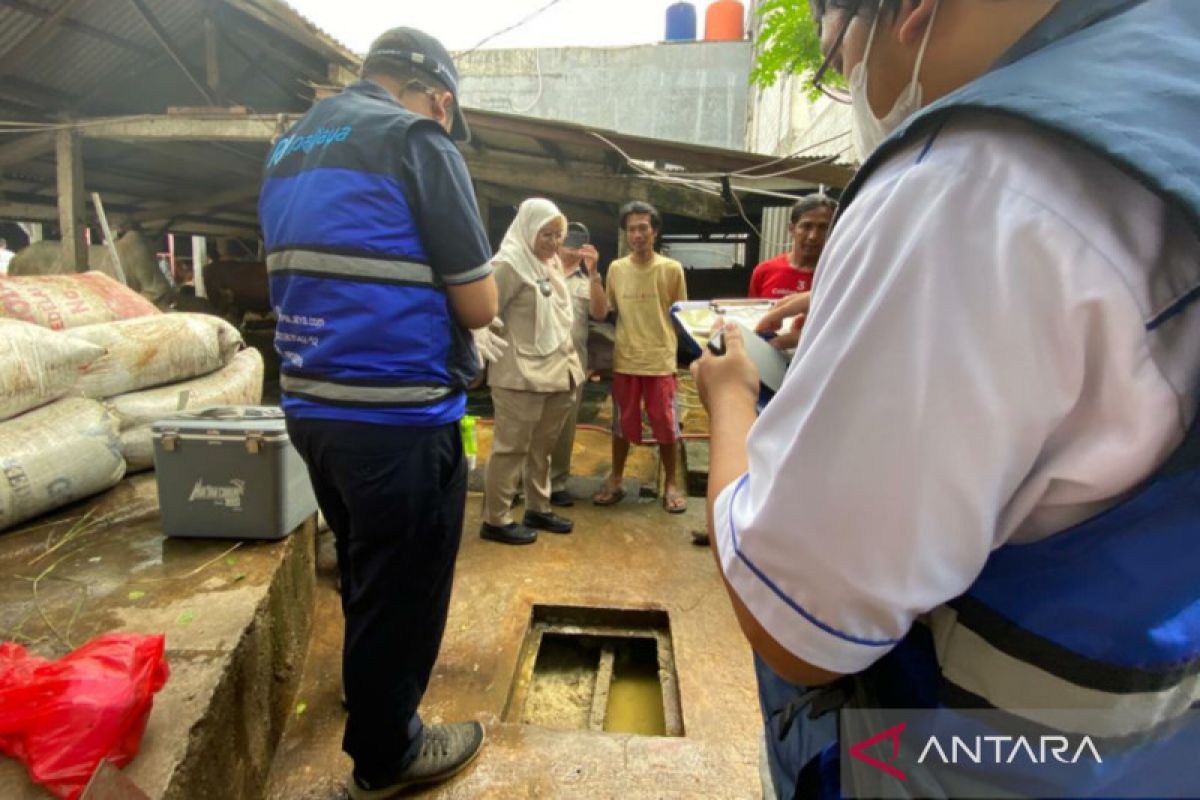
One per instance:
(170, 441)
(254, 442)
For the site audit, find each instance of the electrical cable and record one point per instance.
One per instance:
(532, 15)
(537, 61)
(652, 173)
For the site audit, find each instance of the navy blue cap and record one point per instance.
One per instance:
(427, 55)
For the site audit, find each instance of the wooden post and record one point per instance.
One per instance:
(199, 256)
(71, 219)
(109, 242)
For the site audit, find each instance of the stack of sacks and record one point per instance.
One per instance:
(52, 451)
(238, 384)
(156, 366)
(99, 341)
(152, 351)
(59, 302)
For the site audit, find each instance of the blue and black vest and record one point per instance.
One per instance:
(1105, 615)
(365, 331)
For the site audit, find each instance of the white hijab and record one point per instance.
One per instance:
(517, 252)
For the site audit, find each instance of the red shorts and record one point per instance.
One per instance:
(658, 393)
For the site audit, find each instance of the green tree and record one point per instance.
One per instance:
(787, 41)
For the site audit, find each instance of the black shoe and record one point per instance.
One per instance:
(512, 533)
(548, 521)
(446, 750)
(562, 499)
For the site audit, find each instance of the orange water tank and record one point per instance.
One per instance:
(725, 21)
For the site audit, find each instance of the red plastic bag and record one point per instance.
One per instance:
(61, 718)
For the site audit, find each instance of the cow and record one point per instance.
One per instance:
(237, 287)
(141, 269)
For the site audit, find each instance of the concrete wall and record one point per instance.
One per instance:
(784, 121)
(694, 92)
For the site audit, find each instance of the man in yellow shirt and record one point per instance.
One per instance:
(641, 289)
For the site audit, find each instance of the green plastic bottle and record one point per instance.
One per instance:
(470, 437)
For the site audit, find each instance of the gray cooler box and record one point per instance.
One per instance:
(230, 473)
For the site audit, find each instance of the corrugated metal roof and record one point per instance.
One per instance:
(104, 56)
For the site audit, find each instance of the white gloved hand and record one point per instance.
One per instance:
(488, 343)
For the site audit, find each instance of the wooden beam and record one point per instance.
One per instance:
(200, 156)
(50, 201)
(28, 211)
(26, 148)
(36, 38)
(112, 180)
(554, 151)
(165, 40)
(206, 202)
(235, 128)
(596, 218)
(34, 94)
(212, 57)
(79, 27)
(539, 175)
(206, 227)
(71, 213)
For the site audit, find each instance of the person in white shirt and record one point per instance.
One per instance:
(978, 366)
(6, 256)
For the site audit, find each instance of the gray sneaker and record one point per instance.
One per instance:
(446, 750)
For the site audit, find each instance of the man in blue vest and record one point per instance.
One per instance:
(979, 486)
(379, 270)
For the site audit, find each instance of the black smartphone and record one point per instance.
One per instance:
(577, 236)
(716, 343)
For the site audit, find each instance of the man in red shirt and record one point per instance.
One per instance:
(792, 272)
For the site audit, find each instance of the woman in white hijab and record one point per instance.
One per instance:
(535, 380)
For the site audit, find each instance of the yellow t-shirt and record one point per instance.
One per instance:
(642, 296)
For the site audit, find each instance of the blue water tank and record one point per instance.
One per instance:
(681, 22)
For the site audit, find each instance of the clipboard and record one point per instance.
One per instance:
(694, 322)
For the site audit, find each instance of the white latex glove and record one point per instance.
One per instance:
(488, 343)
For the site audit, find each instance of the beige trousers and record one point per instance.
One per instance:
(526, 429)
(560, 456)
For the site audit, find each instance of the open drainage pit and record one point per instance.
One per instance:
(598, 669)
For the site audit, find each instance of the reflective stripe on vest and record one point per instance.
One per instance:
(329, 265)
(363, 395)
(975, 665)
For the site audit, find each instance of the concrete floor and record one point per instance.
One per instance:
(630, 556)
(236, 625)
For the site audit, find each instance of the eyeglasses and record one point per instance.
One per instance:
(820, 8)
(433, 94)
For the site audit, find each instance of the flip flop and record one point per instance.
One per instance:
(607, 497)
(674, 503)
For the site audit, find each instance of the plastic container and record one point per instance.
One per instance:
(470, 439)
(681, 22)
(230, 473)
(725, 21)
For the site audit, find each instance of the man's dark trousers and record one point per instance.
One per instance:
(394, 498)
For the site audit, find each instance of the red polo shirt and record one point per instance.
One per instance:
(777, 278)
